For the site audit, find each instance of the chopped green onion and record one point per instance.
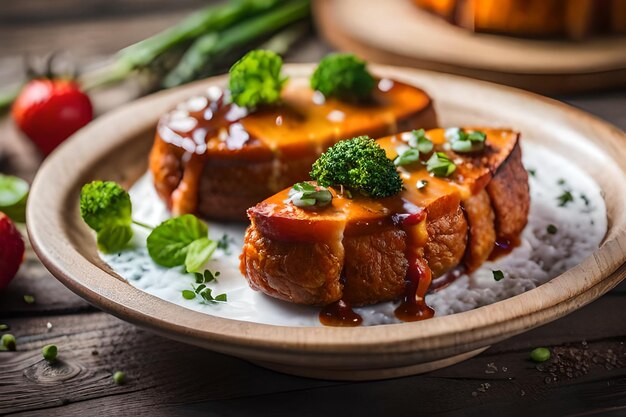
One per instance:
(420, 141)
(498, 275)
(440, 165)
(408, 157)
(540, 354)
(306, 195)
(421, 184)
(464, 142)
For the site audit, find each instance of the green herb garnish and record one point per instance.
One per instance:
(343, 76)
(585, 199)
(306, 195)
(551, 229)
(49, 353)
(440, 165)
(463, 142)
(359, 164)
(29, 299)
(224, 243)
(409, 157)
(419, 141)
(189, 295)
(8, 342)
(198, 253)
(561, 181)
(119, 378)
(565, 198)
(256, 79)
(168, 244)
(106, 208)
(498, 275)
(540, 354)
(421, 184)
(3, 327)
(532, 172)
(13, 196)
(419, 144)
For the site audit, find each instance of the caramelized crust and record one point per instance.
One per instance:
(287, 247)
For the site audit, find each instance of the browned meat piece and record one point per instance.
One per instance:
(481, 231)
(358, 248)
(217, 161)
(510, 196)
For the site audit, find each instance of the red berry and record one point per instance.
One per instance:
(11, 250)
(48, 111)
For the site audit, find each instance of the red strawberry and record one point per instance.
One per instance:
(11, 250)
(48, 111)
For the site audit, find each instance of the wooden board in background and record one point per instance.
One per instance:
(397, 32)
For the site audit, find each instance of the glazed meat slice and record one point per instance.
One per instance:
(359, 249)
(217, 160)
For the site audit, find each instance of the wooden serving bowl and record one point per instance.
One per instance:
(115, 147)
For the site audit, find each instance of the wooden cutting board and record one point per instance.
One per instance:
(397, 32)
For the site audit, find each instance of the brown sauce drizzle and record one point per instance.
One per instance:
(503, 246)
(340, 314)
(414, 307)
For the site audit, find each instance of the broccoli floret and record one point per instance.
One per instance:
(104, 203)
(359, 164)
(343, 76)
(256, 79)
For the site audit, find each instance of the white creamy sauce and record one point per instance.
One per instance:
(581, 226)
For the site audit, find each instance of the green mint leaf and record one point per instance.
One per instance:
(169, 242)
(198, 253)
(13, 196)
(105, 203)
(114, 238)
(409, 157)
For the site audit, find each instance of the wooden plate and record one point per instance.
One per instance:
(398, 32)
(115, 147)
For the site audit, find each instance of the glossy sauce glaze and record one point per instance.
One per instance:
(209, 129)
(350, 215)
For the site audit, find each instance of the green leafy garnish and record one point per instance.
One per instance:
(419, 140)
(188, 295)
(440, 165)
(13, 196)
(106, 208)
(306, 195)
(359, 164)
(532, 172)
(198, 253)
(565, 198)
(168, 244)
(205, 293)
(463, 142)
(419, 144)
(29, 299)
(552, 229)
(256, 79)
(343, 76)
(498, 275)
(224, 243)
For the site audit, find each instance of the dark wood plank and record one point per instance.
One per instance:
(161, 372)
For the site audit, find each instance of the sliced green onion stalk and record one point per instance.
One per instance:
(463, 142)
(440, 165)
(306, 195)
(419, 141)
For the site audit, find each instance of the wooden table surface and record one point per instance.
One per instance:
(586, 375)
